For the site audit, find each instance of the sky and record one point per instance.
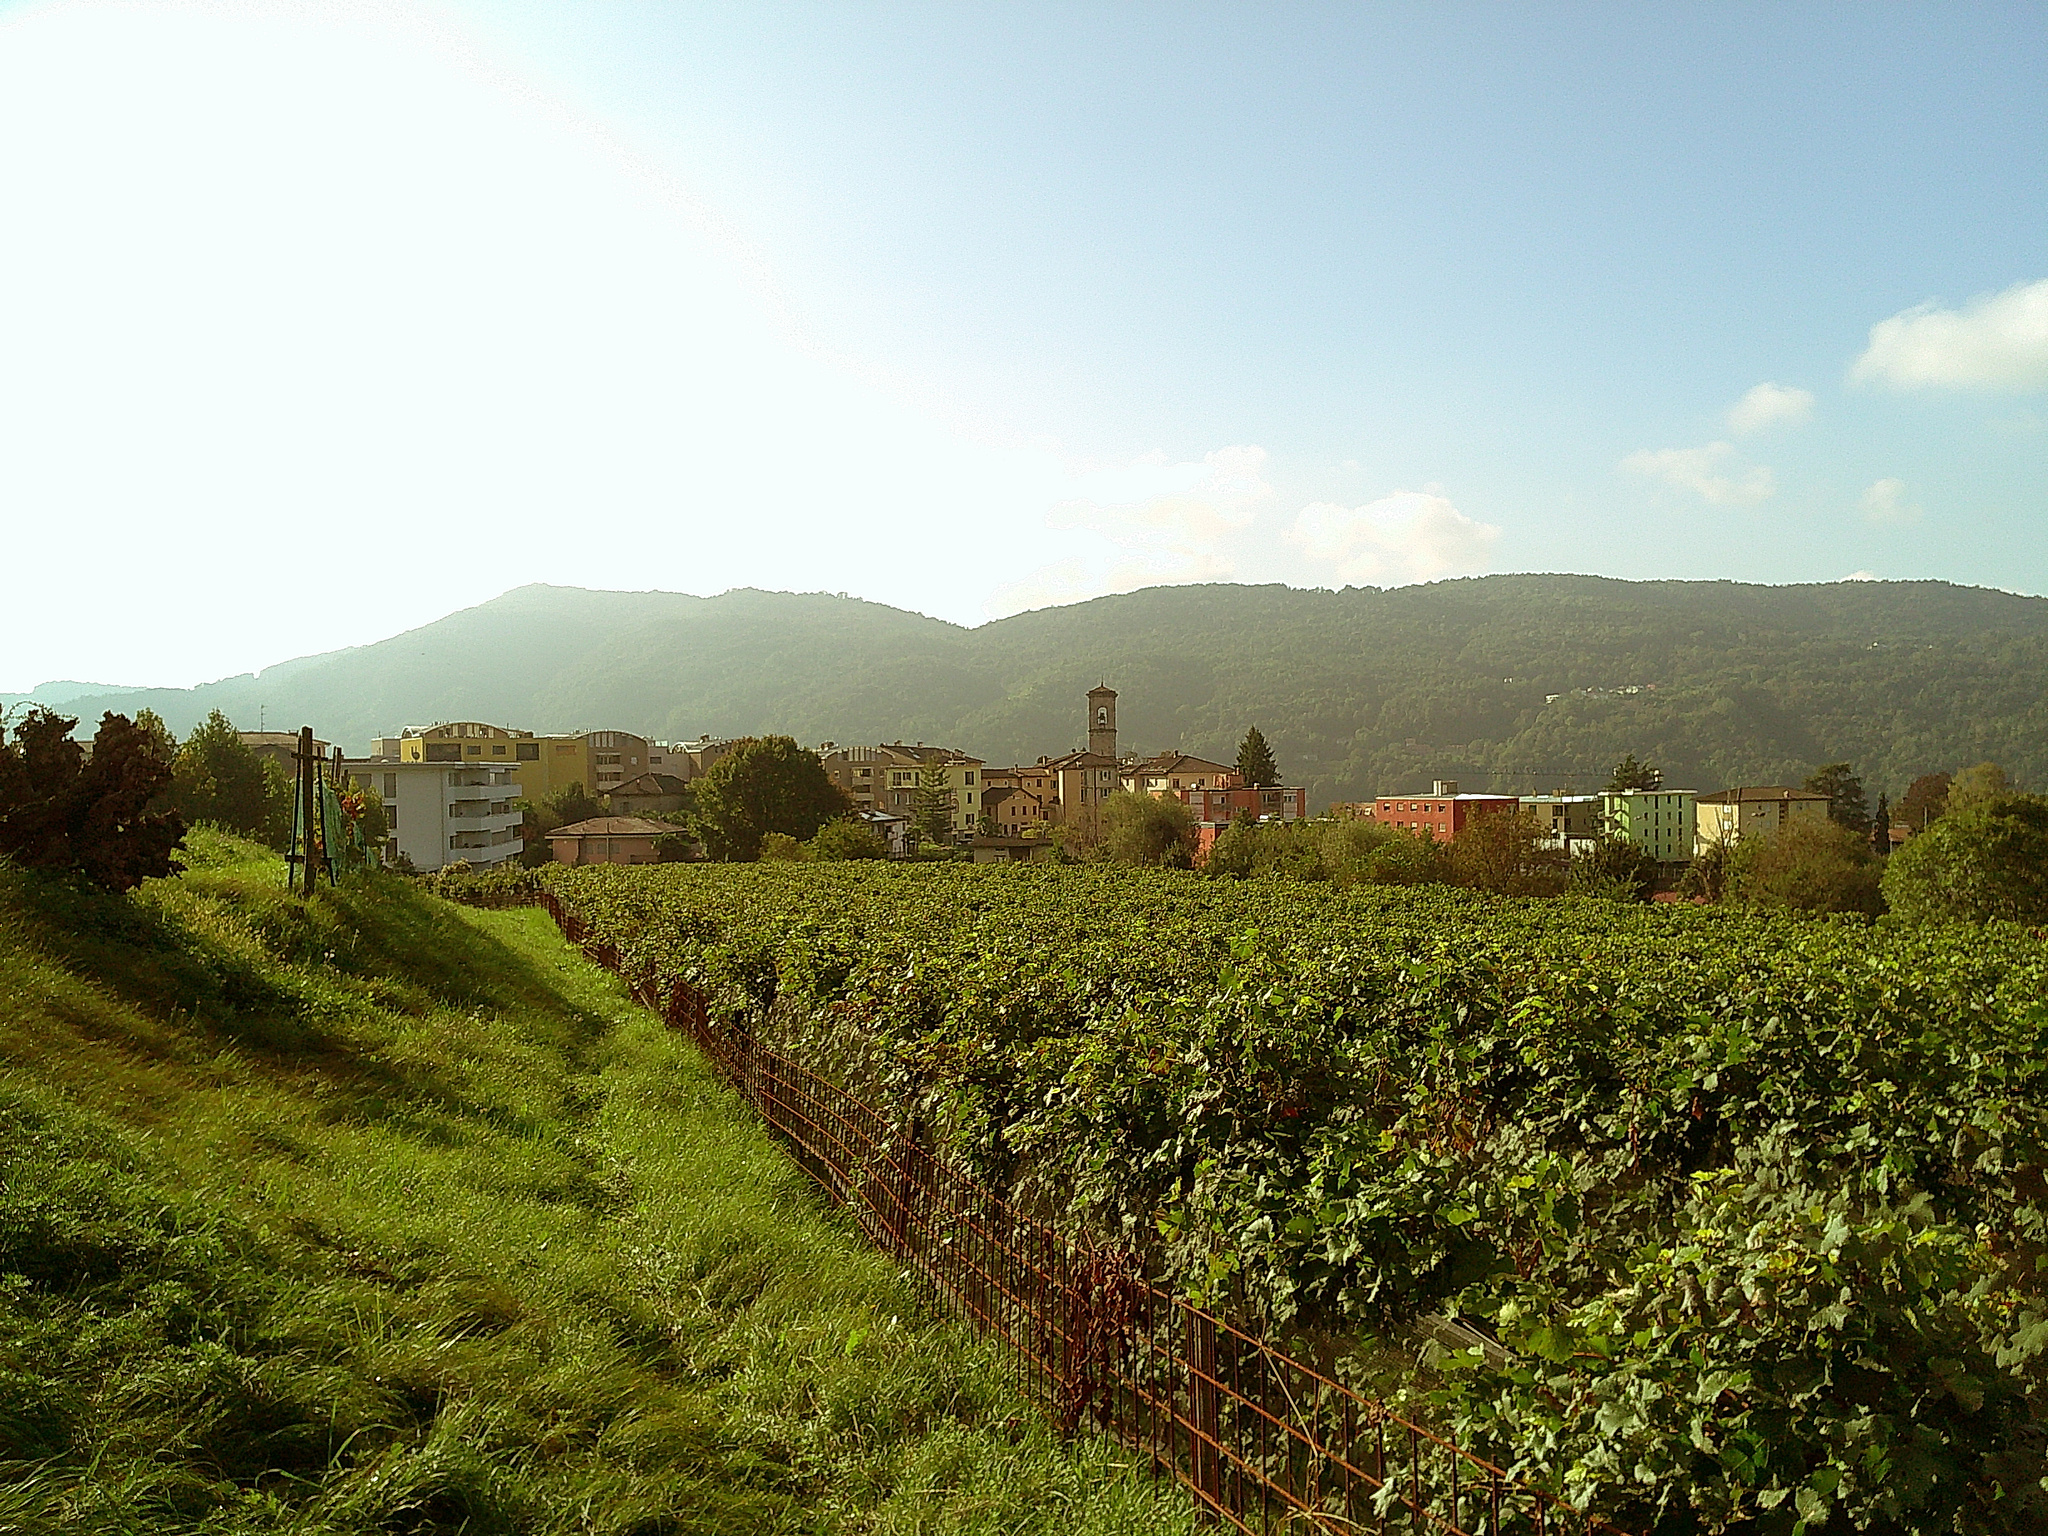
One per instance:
(319, 321)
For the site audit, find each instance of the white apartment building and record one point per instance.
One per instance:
(441, 812)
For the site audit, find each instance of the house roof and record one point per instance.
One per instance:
(1181, 762)
(1076, 760)
(1758, 792)
(615, 826)
(651, 784)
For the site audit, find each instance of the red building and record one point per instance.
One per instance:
(1443, 813)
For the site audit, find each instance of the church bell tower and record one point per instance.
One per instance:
(1102, 721)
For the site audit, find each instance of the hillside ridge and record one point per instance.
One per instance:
(1504, 681)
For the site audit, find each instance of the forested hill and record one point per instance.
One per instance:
(1359, 690)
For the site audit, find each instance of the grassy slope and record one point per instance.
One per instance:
(384, 1215)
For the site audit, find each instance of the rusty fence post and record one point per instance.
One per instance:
(1205, 1419)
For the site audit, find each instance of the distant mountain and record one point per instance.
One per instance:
(1511, 682)
(62, 692)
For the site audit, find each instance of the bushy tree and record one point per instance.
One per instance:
(847, 838)
(1506, 853)
(1985, 860)
(1139, 829)
(1847, 804)
(781, 848)
(1612, 867)
(563, 807)
(1255, 764)
(1629, 774)
(765, 784)
(1806, 867)
(1978, 784)
(1926, 798)
(59, 811)
(1708, 873)
(219, 778)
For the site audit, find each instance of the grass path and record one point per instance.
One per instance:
(383, 1215)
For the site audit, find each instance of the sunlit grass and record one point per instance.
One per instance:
(375, 1214)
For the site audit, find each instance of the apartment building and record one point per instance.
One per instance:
(442, 811)
(1170, 772)
(1567, 820)
(1443, 813)
(1663, 823)
(1729, 815)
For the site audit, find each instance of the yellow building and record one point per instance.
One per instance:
(598, 760)
(1729, 815)
(898, 773)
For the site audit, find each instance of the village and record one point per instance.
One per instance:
(458, 791)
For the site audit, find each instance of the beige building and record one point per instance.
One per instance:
(608, 840)
(888, 778)
(1171, 772)
(1729, 815)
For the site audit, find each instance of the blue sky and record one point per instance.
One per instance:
(974, 308)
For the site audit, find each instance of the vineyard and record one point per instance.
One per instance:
(1701, 1221)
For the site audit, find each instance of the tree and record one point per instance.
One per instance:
(1612, 867)
(1926, 798)
(1881, 827)
(1255, 765)
(219, 778)
(1847, 804)
(765, 784)
(1806, 867)
(1629, 775)
(1235, 852)
(1978, 785)
(1983, 861)
(932, 813)
(1139, 829)
(847, 838)
(60, 812)
(1507, 853)
(1708, 873)
(563, 807)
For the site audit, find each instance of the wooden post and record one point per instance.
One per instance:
(1205, 1420)
(309, 802)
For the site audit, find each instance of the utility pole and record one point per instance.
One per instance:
(309, 773)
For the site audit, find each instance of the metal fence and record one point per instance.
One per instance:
(1264, 1443)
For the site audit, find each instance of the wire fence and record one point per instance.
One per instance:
(1264, 1443)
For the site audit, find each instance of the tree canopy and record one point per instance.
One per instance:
(1847, 804)
(765, 784)
(61, 811)
(1142, 829)
(1255, 764)
(1983, 861)
(1806, 867)
(219, 778)
(1629, 774)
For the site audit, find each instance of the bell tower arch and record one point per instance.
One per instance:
(1102, 720)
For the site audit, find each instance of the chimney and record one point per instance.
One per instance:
(1444, 789)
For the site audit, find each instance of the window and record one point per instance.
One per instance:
(390, 785)
(498, 750)
(476, 751)
(526, 751)
(391, 818)
(969, 777)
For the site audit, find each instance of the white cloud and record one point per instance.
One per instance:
(1408, 536)
(1885, 502)
(1766, 405)
(1153, 524)
(1862, 576)
(1997, 342)
(1705, 471)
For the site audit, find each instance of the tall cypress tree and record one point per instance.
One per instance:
(1881, 827)
(1255, 763)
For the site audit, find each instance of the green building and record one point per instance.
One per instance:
(1661, 822)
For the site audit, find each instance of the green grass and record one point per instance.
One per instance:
(377, 1214)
